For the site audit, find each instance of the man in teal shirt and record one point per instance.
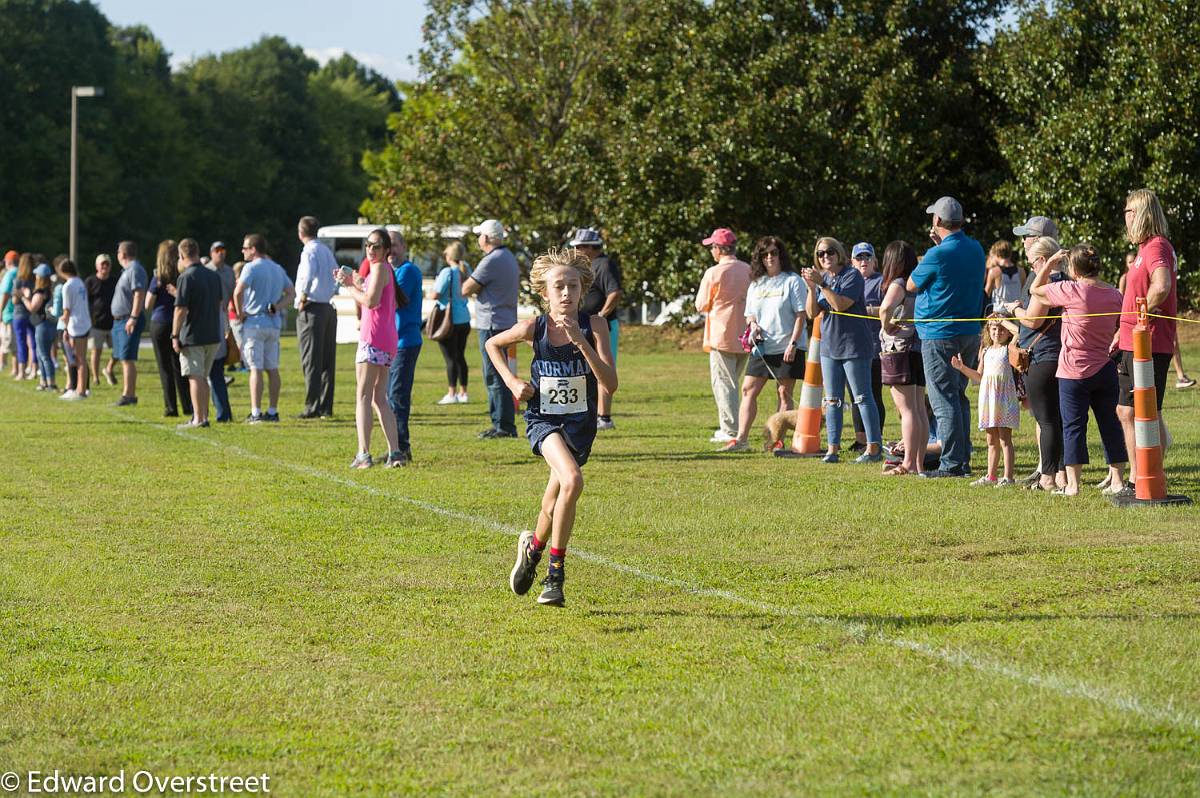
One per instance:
(6, 291)
(949, 285)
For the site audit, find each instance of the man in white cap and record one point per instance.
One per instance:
(949, 285)
(496, 286)
(603, 299)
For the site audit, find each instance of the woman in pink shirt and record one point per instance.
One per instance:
(377, 341)
(1087, 376)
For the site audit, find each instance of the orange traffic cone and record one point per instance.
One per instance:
(1151, 484)
(806, 440)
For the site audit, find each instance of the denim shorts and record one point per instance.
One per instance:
(125, 345)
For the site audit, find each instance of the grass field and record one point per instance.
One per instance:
(236, 601)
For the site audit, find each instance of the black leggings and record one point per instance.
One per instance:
(174, 386)
(877, 392)
(454, 352)
(1041, 386)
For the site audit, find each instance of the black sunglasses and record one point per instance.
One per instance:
(826, 253)
(374, 245)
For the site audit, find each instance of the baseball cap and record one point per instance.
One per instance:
(217, 245)
(490, 228)
(43, 270)
(12, 254)
(947, 208)
(722, 237)
(862, 248)
(586, 237)
(1037, 226)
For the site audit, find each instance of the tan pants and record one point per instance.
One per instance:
(726, 369)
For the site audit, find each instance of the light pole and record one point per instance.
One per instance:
(76, 93)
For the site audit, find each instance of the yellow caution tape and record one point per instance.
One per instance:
(1063, 316)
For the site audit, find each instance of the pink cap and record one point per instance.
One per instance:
(11, 255)
(722, 237)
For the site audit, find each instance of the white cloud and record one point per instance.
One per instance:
(388, 66)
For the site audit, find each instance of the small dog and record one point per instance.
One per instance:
(778, 431)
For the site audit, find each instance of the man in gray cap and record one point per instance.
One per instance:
(949, 285)
(603, 299)
(1035, 228)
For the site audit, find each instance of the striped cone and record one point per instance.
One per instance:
(1151, 484)
(806, 440)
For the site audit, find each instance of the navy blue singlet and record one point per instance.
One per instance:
(565, 392)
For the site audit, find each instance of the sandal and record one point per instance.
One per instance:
(897, 471)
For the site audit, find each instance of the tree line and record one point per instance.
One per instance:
(247, 140)
(657, 120)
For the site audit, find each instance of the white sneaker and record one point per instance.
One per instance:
(720, 437)
(448, 399)
(71, 396)
(461, 398)
(602, 424)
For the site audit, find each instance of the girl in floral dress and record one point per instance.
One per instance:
(999, 406)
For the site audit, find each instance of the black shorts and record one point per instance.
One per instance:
(757, 367)
(1162, 366)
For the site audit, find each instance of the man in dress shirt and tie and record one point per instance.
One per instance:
(316, 323)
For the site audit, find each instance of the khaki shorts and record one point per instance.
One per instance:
(7, 344)
(197, 361)
(98, 339)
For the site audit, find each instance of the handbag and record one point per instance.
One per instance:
(1019, 358)
(439, 326)
(895, 368)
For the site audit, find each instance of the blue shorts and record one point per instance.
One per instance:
(576, 437)
(124, 345)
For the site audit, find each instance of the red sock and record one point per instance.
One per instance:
(538, 545)
(558, 554)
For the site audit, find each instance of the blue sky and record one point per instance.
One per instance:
(380, 33)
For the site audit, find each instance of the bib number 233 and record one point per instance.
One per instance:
(563, 395)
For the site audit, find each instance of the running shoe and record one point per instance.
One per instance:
(735, 446)
(523, 573)
(867, 457)
(720, 437)
(1005, 482)
(461, 399)
(552, 589)
(985, 482)
(255, 418)
(397, 459)
(125, 401)
(831, 457)
(273, 418)
(362, 460)
(605, 423)
(448, 399)
(1185, 383)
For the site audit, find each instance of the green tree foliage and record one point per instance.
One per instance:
(249, 140)
(505, 125)
(1101, 97)
(661, 119)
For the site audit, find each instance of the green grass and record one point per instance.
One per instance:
(237, 601)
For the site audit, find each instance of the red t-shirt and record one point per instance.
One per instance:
(1154, 253)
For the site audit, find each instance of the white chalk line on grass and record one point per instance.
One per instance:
(1065, 686)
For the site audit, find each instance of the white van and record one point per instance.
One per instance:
(347, 243)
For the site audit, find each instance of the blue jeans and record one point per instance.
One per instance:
(500, 399)
(835, 374)
(220, 391)
(400, 383)
(946, 387)
(44, 334)
(1099, 392)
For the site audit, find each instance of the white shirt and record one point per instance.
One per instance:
(314, 275)
(75, 302)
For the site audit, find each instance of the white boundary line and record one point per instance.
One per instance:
(1110, 698)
